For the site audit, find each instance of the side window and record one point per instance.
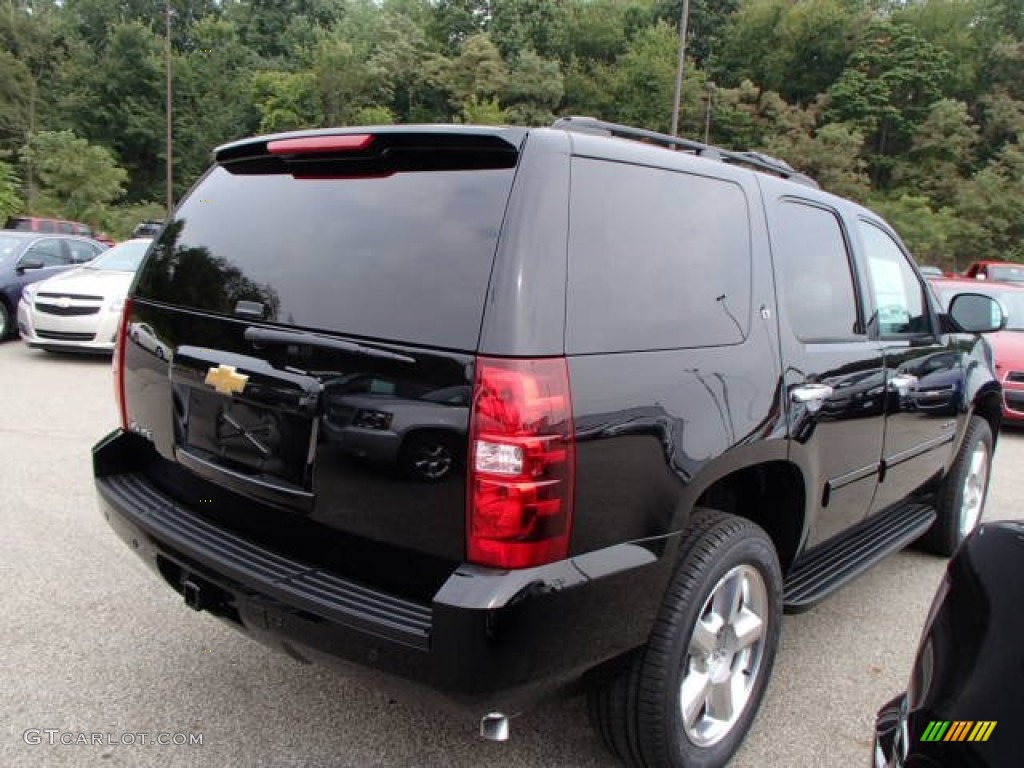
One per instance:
(65, 227)
(82, 252)
(658, 259)
(814, 270)
(47, 225)
(899, 296)
(50, 252)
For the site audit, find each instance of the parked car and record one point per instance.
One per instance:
(80, 310)
(1002, 271)
(653, 465)
(28, 257)
(962, 706)
(1007, 345)
(55, 226)
(147, 229)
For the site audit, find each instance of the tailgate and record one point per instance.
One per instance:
(301, 343)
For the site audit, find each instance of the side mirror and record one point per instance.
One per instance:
(27, 264)
(975, 313)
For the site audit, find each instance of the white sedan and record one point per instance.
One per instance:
(80, 310)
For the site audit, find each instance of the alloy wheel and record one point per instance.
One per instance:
(724, 656)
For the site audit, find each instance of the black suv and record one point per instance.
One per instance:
(497, 410)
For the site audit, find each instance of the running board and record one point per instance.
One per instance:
(827, 568)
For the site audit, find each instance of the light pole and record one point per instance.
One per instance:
(170, 136)
(684, 18)
(707, 110)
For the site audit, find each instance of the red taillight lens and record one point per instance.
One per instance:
(118, 363)
(522, 463)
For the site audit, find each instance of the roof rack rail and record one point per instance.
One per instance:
(753, 159)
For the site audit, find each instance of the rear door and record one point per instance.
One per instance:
(834, 372)
(310, 307)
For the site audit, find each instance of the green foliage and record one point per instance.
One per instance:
(893, 79)
(286, 101)
(76, 178)
(534, 90)
(118, 221)
(643, 80)
(916, 106)
(10, 200)
(929, 233)
(482, 111)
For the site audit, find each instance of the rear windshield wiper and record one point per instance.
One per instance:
(266, 337)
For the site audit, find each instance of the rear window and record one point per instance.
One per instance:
(658, 259)
(403, 257)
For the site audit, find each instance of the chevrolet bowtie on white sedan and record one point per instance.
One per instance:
(80, 310)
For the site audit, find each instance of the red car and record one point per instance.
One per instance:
(42, 224)
(1000, 271)
(1008, 344)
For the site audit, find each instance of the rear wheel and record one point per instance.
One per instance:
(961, 499)
(689, 697)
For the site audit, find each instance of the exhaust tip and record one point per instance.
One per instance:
(494, 727)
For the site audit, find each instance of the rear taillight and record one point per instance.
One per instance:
(522, 463)
(118, 363)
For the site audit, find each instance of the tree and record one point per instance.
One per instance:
(211, 97)
(10, 200)
(117, 99)
(893, 79)
(537, 25)
(286, 101)
(534, 90)
(76, 179)
(941, 153)
(991, 207)
(644, 79)
(796, 49)
(477, 76)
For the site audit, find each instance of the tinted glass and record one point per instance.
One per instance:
(18, 223)
(899, 297)
(657, 259)
(82, 252)
(405, 257)
(49, 252)
(124, 257)
(813, 264)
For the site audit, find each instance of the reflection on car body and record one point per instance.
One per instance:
(387, 420)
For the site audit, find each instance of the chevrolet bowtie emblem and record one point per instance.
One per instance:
(225, 379)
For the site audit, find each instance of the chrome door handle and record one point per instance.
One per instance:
(811, 393)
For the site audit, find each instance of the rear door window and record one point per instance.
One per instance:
(403, 257)
(813, 264)
(658, 259)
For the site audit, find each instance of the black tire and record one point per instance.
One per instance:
(636, 704)
(429, 457)
(961, 499)
(5, 322)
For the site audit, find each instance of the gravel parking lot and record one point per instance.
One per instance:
(94, 643)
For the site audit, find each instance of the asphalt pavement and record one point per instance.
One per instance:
(100, 660)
